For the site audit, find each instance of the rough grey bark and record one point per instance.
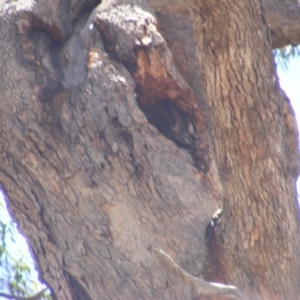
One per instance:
(106, 150)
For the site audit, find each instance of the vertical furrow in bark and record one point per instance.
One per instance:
(261, 225)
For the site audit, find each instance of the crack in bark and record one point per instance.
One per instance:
(140, 47)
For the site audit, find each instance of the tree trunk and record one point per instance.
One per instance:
(260, 236)
(111, 155)
(282, 17)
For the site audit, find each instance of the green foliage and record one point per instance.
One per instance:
(283, 55)
(17, 276)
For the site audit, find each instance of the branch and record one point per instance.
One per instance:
(203, 288)
(38, 296)
(283, 18)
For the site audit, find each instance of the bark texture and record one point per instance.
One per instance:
(282, 17)
(258, 247)
(107, 153)
(93, 185)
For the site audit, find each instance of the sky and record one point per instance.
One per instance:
(289, 77)
(290, 82)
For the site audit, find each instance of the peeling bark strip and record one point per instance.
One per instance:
(200, 287)
(254, 143)
(167, 101)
